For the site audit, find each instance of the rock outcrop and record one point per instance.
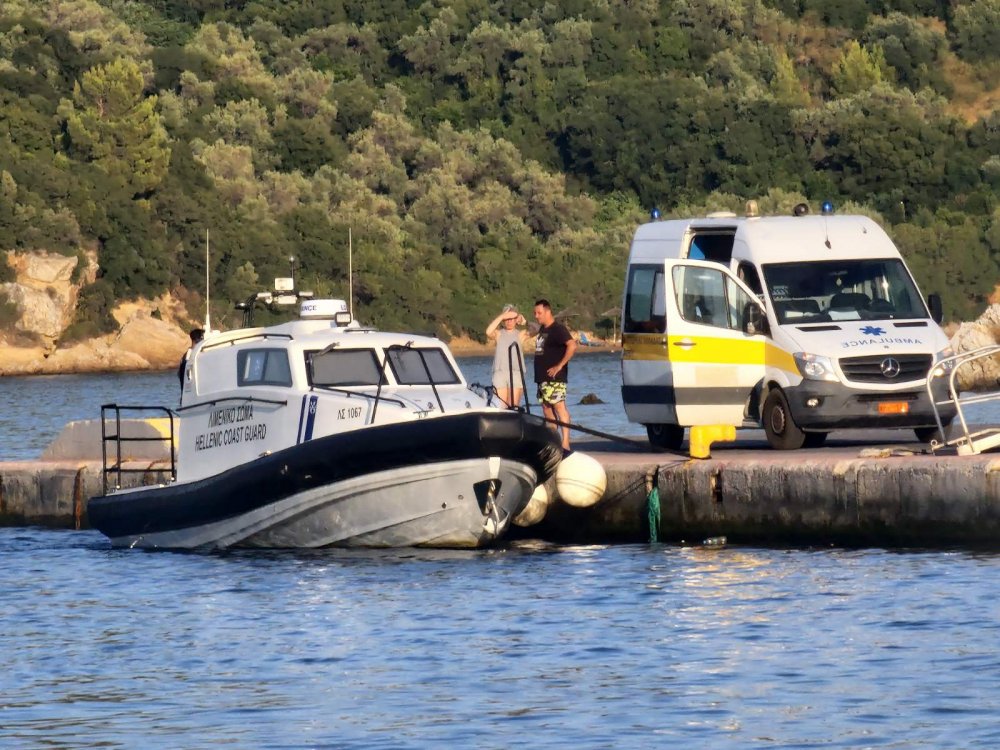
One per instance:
(44, 291)
(150, 335)
(981, 374)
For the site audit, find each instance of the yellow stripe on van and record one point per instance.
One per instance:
(778, 358)
(642, 347)
(708, 349)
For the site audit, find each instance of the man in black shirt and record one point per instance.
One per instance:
(554, 348)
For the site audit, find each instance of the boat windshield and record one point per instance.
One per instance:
(343, 367)
(408, 366)
(831, 290)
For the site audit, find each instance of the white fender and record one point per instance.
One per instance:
(536, 508)
(580, 480)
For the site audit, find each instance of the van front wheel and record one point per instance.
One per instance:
(782, 432)
(666, 437)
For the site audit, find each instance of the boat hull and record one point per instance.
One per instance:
(452, 481)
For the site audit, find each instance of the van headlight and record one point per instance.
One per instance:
(815, 367)
(940, 370)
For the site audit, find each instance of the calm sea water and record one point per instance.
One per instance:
(586, 647)
(634, 646)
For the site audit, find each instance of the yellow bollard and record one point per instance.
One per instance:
(703, 435)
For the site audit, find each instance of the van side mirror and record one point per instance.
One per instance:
(937, 310)
(754, 320)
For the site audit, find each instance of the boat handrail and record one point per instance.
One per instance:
(214, 344)
(118, 438)
(953, 363)
(382, 379)
(430, 378)
(514, 347)
(214, 401)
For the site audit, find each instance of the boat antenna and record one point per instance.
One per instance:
(208, 314)
(350, 272)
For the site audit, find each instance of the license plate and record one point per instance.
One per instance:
(893, 407)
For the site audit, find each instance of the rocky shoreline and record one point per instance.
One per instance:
(142, 343)
(145, 343)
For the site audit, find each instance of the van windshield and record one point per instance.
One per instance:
(831, 290)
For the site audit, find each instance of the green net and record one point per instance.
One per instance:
(653, 509)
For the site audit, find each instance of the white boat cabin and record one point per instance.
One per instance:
(253, 391)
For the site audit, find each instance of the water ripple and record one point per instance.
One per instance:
(630, 646)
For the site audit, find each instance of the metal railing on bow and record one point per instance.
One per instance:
(112, 427)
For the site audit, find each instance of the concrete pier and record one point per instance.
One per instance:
(863, 488)
(55, 493)
(879, 496)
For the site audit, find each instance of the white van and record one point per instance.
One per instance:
(803, 324)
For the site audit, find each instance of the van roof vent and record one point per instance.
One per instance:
(721, 215)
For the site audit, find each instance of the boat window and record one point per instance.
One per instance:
(343, 367)
(263, 367)
(408, 366)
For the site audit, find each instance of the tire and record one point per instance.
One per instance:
(815, 439)
(782, 432)
(926, 434)
(665, 437)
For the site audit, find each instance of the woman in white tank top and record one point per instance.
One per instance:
(508, 361)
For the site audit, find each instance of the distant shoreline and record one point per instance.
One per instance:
(102, 358)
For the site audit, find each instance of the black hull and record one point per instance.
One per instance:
(325, 461)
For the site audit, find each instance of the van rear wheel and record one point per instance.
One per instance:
(782, 432)
(665, 437)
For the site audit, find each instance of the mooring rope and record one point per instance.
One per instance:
(644, 445)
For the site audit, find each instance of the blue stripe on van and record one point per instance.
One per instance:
(311, 418)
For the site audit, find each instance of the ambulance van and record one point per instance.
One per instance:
(801, 324)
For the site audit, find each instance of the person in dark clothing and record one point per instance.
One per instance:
(554, 348)
(197, 334)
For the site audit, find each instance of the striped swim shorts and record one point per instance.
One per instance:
(551, 392)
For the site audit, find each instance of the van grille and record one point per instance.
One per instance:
(874, 368)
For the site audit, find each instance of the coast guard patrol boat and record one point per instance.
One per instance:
(320, 432)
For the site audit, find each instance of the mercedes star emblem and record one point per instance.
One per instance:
(890, 367)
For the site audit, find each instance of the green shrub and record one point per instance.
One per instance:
(10, 312)
(93, 313)
(6, 272)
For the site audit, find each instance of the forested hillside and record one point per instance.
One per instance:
(482, 152)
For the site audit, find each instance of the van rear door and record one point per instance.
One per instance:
(646, 383)
(714, 361)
